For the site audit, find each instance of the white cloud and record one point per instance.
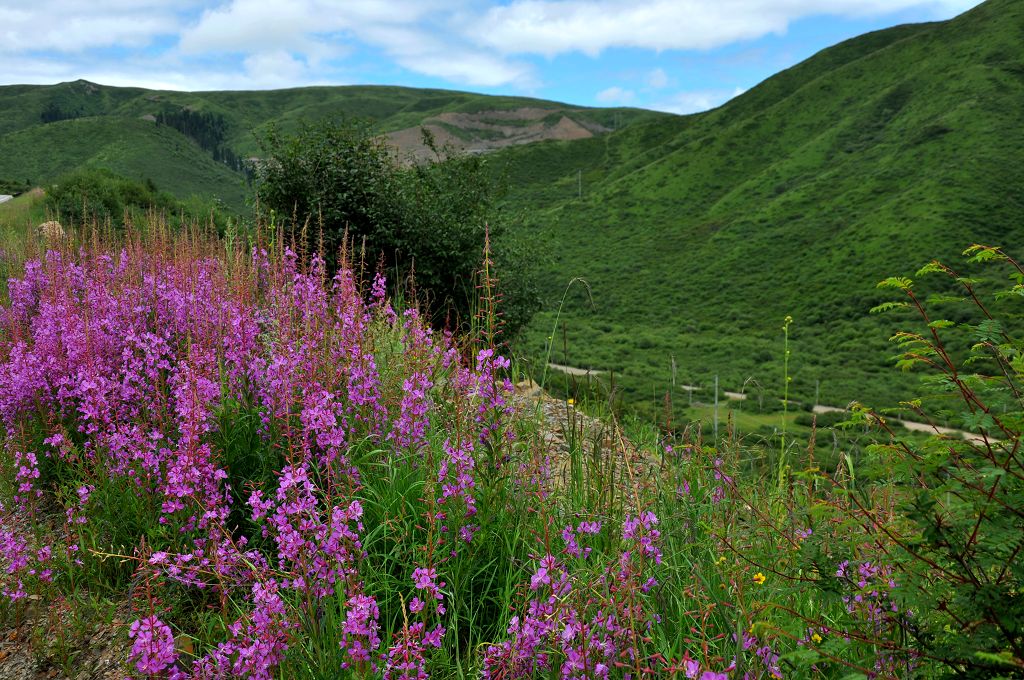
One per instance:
(19, 69)
(425, 52)
(276, 68)
(615, 95)
(68, 26)
(657, 79)
(551, 27)
(695, 101)
(411, 32)
(271, 44)
(205, 44)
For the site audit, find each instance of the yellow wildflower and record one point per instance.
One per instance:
(570, 402)
(816, 639)
(760, 578)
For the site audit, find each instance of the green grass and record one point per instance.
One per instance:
(18, 217)
(699, 234)
(743, 421)
(801, 543)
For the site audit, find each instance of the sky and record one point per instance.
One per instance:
(681, 56)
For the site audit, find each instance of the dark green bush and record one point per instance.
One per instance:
(13, 187)
(428, 218)
(98, 195)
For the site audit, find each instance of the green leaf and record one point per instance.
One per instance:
(988, 330)
(888, 306)
(940, 298)
(900, 282)
(941, 323)
(977, 421)
(979, 253)
(802, 657)
(1018, 289)
(1000, 659)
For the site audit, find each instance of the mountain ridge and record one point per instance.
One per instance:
(233, 120)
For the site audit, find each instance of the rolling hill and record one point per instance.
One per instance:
(698, 235)
(192, 143)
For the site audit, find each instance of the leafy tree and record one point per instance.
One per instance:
(427, 218)
(208, 130)
(54, 112)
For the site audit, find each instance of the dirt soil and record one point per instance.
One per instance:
(489, 130)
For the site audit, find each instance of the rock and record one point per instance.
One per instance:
(51, 232)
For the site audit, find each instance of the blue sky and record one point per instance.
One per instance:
(673, 55)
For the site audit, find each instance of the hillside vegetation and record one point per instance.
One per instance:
(173, 138)
(218, 462)
(230, 449)
(698, 235)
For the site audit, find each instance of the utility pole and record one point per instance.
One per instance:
(716, 408)
(817, 388)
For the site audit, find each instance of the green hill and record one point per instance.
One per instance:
(131, 147)
(698, 235)
(193, 143)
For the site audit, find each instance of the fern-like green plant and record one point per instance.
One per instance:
(959, 542)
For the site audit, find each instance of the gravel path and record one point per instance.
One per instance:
(916, 426)
(572, 370)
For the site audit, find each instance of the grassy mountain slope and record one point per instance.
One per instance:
(699, 235)
(47, 130)
(129, 146)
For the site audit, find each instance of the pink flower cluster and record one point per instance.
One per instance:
(589, 617)
(128, 360)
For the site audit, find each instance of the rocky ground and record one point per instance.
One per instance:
(63, 651)
(609, 459)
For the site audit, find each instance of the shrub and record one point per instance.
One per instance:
(962, 532)
(98, 195)
(429, 219)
